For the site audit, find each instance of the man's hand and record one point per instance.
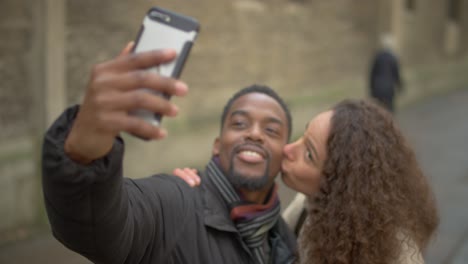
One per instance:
(113, 91)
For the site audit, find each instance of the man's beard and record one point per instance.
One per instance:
(240, 181)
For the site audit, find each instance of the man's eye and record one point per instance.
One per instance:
(271, 130)
(238, 124)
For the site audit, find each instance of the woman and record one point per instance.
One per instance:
(367, 200)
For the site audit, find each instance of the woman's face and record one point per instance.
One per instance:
(303, 159)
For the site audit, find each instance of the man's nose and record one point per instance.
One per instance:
(255, 133)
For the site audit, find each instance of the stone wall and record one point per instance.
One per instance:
(16, 99)
(429, 22)
(294, 46)
(19, 185)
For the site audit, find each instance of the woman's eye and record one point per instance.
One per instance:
(309, 155)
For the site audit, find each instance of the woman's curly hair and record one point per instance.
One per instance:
(373, 194)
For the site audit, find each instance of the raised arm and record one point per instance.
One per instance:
(91, 208)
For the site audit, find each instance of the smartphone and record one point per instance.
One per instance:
(162, 29)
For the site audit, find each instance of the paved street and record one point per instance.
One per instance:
(437, 128)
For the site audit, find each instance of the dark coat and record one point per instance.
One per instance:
(96, 212)
(385, 78)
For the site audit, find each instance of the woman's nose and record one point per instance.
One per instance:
(288, 151)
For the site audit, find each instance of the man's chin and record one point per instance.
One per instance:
(251, 182)
(252, 177)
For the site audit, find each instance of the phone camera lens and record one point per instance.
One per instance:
(159, 16)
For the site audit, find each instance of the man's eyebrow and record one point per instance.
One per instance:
(275, 120)
(245, 113)
(238, 112)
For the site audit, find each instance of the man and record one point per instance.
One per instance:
(233, 217)
(384, 77)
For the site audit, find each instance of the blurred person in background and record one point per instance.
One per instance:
(365, 197)
(384, 78)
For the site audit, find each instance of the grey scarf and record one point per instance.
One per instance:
(253, 221)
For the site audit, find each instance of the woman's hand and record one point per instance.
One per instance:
(190, 176)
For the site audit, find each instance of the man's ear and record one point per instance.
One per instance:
(215, 151)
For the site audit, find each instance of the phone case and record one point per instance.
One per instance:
(162, 29)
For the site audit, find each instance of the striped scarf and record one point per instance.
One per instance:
(253, 221)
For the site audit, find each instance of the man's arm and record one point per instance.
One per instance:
(78, 197)
(94, 211)
(88, 206)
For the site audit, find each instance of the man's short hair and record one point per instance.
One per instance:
(263, 90)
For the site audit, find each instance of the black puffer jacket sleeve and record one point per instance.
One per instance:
(78, 197)
(94, 211)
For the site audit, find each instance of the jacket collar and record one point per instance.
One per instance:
(215, 210)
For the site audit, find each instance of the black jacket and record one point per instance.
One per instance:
(385, 75)
(96, 212)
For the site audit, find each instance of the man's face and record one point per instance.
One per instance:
(251, 141)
